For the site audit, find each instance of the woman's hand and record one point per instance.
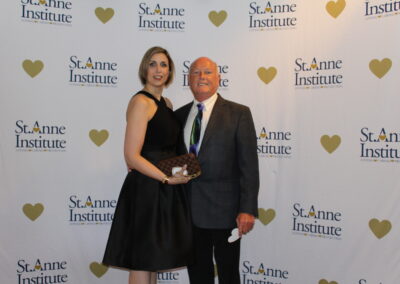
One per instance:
(179, 177)
(178, 180)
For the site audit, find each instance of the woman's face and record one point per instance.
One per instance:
(158, 70)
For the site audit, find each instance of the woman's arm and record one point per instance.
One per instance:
(140, 111)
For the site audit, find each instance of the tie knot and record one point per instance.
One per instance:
(200, 106)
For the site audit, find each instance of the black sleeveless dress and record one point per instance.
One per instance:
(151, 229)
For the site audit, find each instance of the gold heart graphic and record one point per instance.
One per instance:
(330, 144)
(268, 9)
(380, 68)
(382, 137)
(335, 8)
(323, 281)
(266, 75)
(217, 18)
(266, 216)
(98, 269)
(36, 129)
(313, 66)
(33, 211)
(42, 2)
(98, 137)
(104, 15)
(157, 11)
(32, 68)
(380, 228)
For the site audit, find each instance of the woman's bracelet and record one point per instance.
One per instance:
(165, 180)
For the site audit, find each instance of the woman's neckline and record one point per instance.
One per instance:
(150, 93)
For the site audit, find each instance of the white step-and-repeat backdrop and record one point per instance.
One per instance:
(321, 78)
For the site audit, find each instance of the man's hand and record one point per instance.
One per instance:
(245, 223)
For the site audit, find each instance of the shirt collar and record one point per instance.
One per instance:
(207, 103)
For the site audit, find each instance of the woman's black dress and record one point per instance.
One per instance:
(151, 229)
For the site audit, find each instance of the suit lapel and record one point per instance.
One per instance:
(212, 125)
(185, 114)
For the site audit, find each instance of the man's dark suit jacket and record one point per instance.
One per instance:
(228, 157)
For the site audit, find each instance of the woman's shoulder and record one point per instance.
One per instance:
(139, 102)
(168, 103)
(140, 98)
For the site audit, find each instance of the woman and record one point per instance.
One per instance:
(151, 230)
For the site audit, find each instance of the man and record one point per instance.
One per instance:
(224, 196)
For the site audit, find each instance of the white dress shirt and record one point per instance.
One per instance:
(208, 107)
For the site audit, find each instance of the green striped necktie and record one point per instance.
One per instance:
(196, 129)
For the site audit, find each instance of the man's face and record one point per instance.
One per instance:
(203, 78)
